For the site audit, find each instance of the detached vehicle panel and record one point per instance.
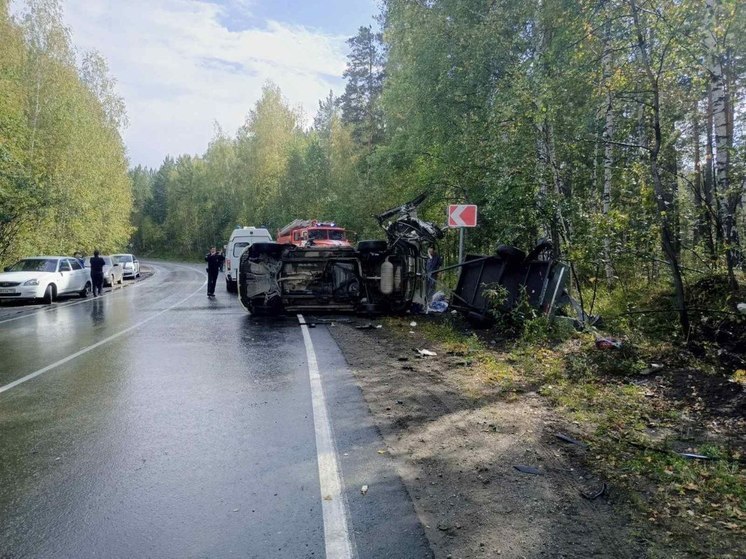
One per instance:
(511, 276)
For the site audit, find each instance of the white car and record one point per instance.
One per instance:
(130, 264)
(44, 277)
(113, 272)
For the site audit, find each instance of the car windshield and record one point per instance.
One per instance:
(34, 265)
(107, 260)
(336, 235)
(121, 258)
(316, 234)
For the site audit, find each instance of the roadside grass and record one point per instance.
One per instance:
(695, 506)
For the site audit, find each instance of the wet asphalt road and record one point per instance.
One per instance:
(161, 423)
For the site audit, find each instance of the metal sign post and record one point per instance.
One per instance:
(461, 245)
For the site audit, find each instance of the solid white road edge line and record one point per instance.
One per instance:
(94, 346)
(333, 506)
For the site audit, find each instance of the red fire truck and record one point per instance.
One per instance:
(307, 233)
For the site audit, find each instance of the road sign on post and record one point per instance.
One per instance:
(462, 215)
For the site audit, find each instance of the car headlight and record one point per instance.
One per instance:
(31, 282)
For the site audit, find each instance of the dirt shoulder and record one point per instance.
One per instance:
(456, 442)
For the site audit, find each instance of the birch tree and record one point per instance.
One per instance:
(729, 195)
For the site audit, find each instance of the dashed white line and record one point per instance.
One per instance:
(333, 506)
(94, 346)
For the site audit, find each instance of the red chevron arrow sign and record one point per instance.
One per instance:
(464, 215)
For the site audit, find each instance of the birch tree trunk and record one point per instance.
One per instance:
(702, 196)
(608, 134)
(729, 198)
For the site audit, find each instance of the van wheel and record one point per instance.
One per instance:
(372, 246)
(259, 307)
(49, 294)
(273, 250)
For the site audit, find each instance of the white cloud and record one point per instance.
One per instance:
(180, 70)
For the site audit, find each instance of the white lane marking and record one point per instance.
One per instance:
(94, 346)
(333, 506)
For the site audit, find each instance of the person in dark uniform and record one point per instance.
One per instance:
(434, 262)
(214, 262)
(97, 273)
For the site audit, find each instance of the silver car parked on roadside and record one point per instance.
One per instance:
(113, 271)
(130, 264)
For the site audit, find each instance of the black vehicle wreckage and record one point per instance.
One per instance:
(389, 277)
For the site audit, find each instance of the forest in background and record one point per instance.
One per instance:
(64, 183)
(614, 128)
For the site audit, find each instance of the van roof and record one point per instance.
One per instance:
(250, 232)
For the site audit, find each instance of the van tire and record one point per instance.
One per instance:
(270, 249)
(372, 246)
(259, 307)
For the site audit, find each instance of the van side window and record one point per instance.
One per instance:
(75, 264)
(65, 266)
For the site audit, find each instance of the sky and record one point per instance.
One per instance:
(184, 65)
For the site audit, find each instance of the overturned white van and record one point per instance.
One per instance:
(241, 238)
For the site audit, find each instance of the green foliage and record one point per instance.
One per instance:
(63, 173)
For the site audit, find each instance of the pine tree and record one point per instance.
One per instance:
(361, 99)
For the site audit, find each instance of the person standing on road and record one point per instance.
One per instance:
(434, 263)
(97, 273)
(214, 262)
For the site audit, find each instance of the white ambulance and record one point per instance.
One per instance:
(241, 238)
